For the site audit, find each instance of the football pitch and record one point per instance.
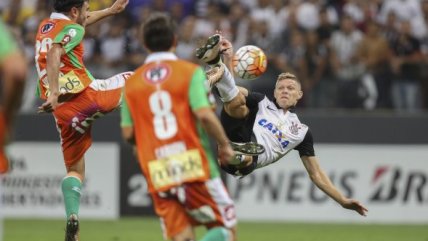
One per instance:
(148, 229)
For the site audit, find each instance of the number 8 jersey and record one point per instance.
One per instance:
(74, 77)
(159, 102)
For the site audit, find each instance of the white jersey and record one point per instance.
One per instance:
(277, 130)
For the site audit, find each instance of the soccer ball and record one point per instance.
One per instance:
(249, 62)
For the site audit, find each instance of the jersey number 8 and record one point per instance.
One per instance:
(164, 121)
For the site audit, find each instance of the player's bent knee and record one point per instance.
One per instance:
(185, 235)
(232, 236)
(237, 112)
(237, 107)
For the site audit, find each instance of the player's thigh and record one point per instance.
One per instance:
(108, 92)
(209, 204)
(200, 203)
(175, 223)
(74, 120)
(237, 107)
(237, 129)
(185, 235)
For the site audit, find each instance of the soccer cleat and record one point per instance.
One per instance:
(72, 229)
(248, 148)
(215, 74)
(210, 51)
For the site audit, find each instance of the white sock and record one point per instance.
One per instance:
(227, 86)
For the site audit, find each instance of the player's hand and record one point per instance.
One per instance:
(118, 6)
(356, 206)
(225, 154)
(50, 105)
(226, 48)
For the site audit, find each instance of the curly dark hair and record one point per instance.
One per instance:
(158, 32)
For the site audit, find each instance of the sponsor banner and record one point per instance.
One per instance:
(134, 197)
(33, 188)
(390, 180)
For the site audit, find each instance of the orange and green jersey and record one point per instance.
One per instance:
(74, 77)
(160, 99)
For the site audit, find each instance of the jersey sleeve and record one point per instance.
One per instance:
(306, 147)
(199, 91)
(254, 98)
(125, 115)
(7, 43)
(70, 36)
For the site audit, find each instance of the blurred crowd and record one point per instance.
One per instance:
(365, 54)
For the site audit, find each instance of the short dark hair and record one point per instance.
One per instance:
(63, 6)
(158, 32)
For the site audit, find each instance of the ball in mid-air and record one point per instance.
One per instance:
(249, 62)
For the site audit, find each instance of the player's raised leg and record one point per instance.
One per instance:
(220, 76)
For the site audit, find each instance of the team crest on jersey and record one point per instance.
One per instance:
(47, 28)
(156, 74)
(294, 128)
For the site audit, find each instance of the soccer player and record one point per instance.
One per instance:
(13, 70)
(250, 116)
(71, 93)
(168, 114)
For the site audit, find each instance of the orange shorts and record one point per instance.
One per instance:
(199, 203)
(74, 117)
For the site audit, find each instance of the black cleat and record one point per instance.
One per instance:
(72, 229)
(248, 148)
(210, 51)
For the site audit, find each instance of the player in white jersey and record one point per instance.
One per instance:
(250, 117)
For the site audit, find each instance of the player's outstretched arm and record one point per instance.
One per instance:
(117, 7)
(53, 65)
(323, 182)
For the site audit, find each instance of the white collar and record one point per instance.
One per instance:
(160, 56)
(56, 15)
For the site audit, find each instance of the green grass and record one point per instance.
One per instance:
(148, 229)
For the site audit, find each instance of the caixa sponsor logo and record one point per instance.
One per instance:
(393, 184)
